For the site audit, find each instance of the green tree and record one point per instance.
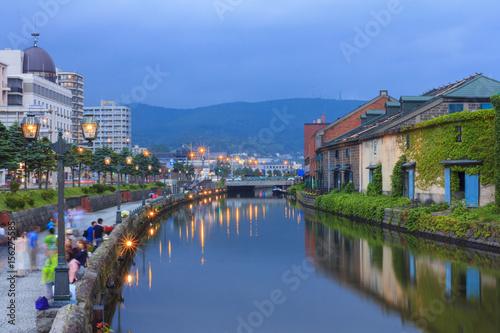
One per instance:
(7, 155)
(71, 161)
(269, 173)
(49, 162)
(85, 158)
(277, 173)
(98, 164)
(495, 100)
(178, 166)
(156, 165)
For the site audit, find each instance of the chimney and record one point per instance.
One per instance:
(384, 93)
(363, 118)
(323, 118)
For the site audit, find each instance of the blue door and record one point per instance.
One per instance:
(472, 190)
(411, 183)
(447, 185)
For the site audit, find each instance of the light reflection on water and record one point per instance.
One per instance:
(227, 277)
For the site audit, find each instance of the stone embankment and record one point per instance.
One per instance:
(39, 217)
(392, 220)
(108, 266)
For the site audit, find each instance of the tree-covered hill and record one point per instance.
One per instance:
(272, 126)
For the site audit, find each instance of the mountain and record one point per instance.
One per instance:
(264, 127)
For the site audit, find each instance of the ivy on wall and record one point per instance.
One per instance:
(398, 178)
(495, 100)
(375, 187)
(435, 140)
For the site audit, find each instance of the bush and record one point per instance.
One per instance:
(14, 186)
(13, 201)
(297, 187)
(134, 187)
(98, 188)
(158, 183)
(111, 188)
(85, 190)
(29, 199)
(48, 194)
(349, 188)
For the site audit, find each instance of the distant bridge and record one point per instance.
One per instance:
(233, 185)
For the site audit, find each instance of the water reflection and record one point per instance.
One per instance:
(438, 294)
(234, 252)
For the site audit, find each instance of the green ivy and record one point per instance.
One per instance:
(435, 140)
(375, 187)
(398, 178)
(495, 100)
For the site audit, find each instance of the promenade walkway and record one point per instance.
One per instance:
(24, 291)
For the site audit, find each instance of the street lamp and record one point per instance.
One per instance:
(143, 175)
(128, 160)
(31, 128)
(164, 182)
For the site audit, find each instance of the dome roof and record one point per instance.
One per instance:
(37, 60)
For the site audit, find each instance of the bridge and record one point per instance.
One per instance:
(246, 186)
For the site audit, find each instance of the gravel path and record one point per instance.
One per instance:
(28, 289)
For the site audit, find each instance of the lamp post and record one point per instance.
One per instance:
(128, 160)
(31, 128)
(164, 183)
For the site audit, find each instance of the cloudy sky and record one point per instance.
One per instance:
(189, 53)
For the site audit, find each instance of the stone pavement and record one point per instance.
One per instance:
(28, 289)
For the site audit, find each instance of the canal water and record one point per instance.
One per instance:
(261, 264)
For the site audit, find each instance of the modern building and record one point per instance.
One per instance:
(115, 125)
(3, 84)
(74, 82)
(31, 77)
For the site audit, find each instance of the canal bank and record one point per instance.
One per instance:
(94, 293)
(437, 228)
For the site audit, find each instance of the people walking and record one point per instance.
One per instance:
(98, 233)
(50, 243)
(22, 257)
(33, 247)
(90, 234)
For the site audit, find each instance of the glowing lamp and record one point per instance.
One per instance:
(89, 127)
(30, 127)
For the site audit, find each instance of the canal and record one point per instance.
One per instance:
(261, 264)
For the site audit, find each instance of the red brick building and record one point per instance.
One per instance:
(316, 134)
(310, 144)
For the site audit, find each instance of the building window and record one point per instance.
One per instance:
(453, 108)
(408, 141)
(375, 147)
(347, 152)
(337, 153)
(486, 106)
(459, 133)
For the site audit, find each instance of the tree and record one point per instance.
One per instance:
(277, 173)
(98, 162)
(178, 166)
(84, 158)
(7, 155)
(49, 162)
(495, 100)
(71, 161)
(126, 169)
(256, 173)
(269, 173)
(156, 165)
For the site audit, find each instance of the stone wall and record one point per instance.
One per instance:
(105, 268)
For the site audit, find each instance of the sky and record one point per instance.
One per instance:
(192, 53)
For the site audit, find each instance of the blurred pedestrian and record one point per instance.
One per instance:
(98, 233)
(50, 225)
(90, 234)
(50, 243)
(33, 247)
(48, 274)
(22, 257)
